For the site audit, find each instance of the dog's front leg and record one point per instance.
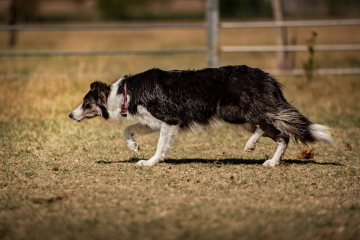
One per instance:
(251, 143)
(131, 130)
(167, 137)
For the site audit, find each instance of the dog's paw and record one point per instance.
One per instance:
(249, 148)
(133, 146)
(270, 163)
(145, 163)
(250, 145)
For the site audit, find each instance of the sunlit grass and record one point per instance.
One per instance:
(207, 188)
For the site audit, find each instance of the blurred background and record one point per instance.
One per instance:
(75, 42)
(65, 180)
(55, 13)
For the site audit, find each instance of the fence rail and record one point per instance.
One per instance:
(223, 49)
(290, 48)
(101, 52)
(213, 48)
(324, 71)
(292, 72)
(267, 24)
(272, 24)
(276, 48)
(101, 27)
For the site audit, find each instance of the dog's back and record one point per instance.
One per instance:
(234, 94)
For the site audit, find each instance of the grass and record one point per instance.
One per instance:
(65, 180)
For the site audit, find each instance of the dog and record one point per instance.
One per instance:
(170, 101)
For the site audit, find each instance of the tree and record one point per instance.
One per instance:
(118, 9)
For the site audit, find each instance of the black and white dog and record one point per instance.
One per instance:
(169, 101)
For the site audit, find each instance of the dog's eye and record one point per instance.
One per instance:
(87, 105)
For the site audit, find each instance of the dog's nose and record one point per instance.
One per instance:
(71, 115)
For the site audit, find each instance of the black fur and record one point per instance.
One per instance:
(234, 94)
(99, 93)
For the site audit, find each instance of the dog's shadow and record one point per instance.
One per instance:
(232, 161)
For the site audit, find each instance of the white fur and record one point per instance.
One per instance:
(147, 124)
(196, 127)
(131, 130)
(318, 132)
(145, 118)
(77, 113)
(114, 104)
(167, 137)
(281, 147)
(251, 143)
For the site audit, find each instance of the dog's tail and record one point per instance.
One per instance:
(292, 123)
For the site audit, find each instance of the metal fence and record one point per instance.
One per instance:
(213, 48)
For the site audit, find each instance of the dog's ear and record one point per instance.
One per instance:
(100, 92)
(98, 85)
(94, 85)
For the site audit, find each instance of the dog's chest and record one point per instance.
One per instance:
(145, 118)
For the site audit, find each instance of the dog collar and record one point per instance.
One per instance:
(124, 105)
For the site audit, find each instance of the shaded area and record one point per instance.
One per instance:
(233, 161)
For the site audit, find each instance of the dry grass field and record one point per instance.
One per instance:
(65, 180)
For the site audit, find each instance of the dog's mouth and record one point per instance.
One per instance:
(85, 118)
(71, 115)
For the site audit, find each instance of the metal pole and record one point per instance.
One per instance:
(282, 40)
(212, 20)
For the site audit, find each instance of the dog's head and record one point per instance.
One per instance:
(94, 103)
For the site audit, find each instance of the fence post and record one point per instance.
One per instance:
(212, 21)
(282, 40)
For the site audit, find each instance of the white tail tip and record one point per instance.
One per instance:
(318, 132)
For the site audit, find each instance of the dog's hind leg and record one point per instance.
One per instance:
(251, 143)
(131, 130)
(281, 140)
(281, 147)
(167, 137)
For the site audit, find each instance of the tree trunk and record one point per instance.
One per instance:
(11, 20)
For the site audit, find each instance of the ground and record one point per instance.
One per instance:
(65, 180)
